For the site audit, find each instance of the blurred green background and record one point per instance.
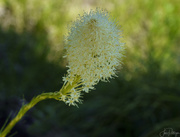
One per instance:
(141, 102)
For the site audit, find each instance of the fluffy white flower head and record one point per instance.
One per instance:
(93, 49)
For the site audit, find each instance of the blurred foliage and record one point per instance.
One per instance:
(142, 101)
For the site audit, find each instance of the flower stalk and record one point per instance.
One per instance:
(26, 107)
(64, 91)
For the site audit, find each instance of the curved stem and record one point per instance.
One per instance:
(26, 107)
(52, 95)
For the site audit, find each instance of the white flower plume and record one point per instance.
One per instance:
(93, 49)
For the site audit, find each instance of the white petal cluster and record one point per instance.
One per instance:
(93, 49)
(72, 97)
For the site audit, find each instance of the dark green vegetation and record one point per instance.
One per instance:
(142, 101)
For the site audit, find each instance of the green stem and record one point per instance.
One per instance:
(26, 107)
(52, 95)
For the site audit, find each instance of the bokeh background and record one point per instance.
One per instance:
(141, 102)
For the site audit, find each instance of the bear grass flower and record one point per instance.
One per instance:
(93, 52)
